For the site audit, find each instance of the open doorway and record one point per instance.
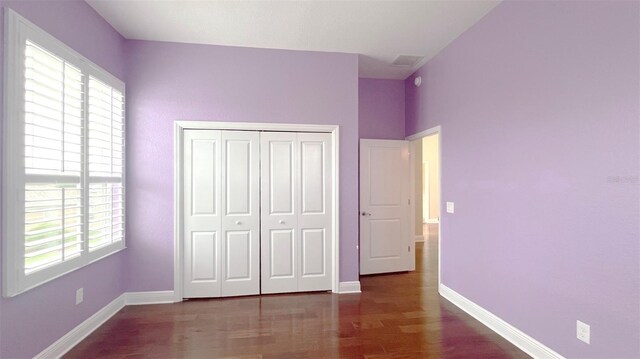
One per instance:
(430, 186)
(425, 178)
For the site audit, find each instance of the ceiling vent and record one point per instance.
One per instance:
(406, 61)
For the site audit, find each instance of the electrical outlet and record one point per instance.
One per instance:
(450, 207)
(583, 332)
(79, 296)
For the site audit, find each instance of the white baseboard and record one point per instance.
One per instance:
(158, 297)
(419, 238)
(504, 329)
(75, 336)
(349, 287)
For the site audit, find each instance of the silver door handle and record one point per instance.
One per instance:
(238, 222)
(366, 214)
(281, 221)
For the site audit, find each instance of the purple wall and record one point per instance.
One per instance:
(539, 108)
(381, 109)
(169, 82)
(35, 319)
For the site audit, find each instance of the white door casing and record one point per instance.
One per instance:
(202, 219)
(296, 212)
(240, 198)
(385, 243)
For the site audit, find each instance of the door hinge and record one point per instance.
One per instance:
(408, 248)
(409, 201)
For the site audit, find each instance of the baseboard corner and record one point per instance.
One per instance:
(349, 287)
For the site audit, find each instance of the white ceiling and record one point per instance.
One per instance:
(378, 31)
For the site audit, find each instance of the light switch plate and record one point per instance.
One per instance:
(79, 296)
(450, 207)
(583, 332)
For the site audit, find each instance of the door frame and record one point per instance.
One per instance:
(412, 174)
(178, 131)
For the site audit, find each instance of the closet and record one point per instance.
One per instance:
(257, 212)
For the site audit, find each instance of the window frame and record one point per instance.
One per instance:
(17, 31)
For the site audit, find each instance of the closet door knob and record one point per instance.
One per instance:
(238, 222)
(281, 221)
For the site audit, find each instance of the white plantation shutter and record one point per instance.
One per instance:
(63, 170)
(52, 217)
(106, 164)
(53, 100)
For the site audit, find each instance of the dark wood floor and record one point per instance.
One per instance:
(396, 316)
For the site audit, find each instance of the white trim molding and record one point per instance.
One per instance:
(349, 287)
(158, 297)
(61, 346)
(181, 126)
(425, 133)
(433, 221)
(498, 325)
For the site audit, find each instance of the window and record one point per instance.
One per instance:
(63, 184)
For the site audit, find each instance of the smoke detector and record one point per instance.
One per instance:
(406, 61)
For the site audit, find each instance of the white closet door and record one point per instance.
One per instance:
(279, 178)
(240, 240)
(296, 212)
(202, 215)
(314, 216)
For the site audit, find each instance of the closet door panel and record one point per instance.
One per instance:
(282, 245)
(279, 178)
(312, 179)
(238, 256)
(240, 248)
(203, 249)
(313, 242)
(202, 223)
(314, 217)
(238, 161)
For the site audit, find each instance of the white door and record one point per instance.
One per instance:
(385, 244)
(296, 212)
(221, 213)
(240, 185)
(202, 215)
(314, 216)
(279, 176)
